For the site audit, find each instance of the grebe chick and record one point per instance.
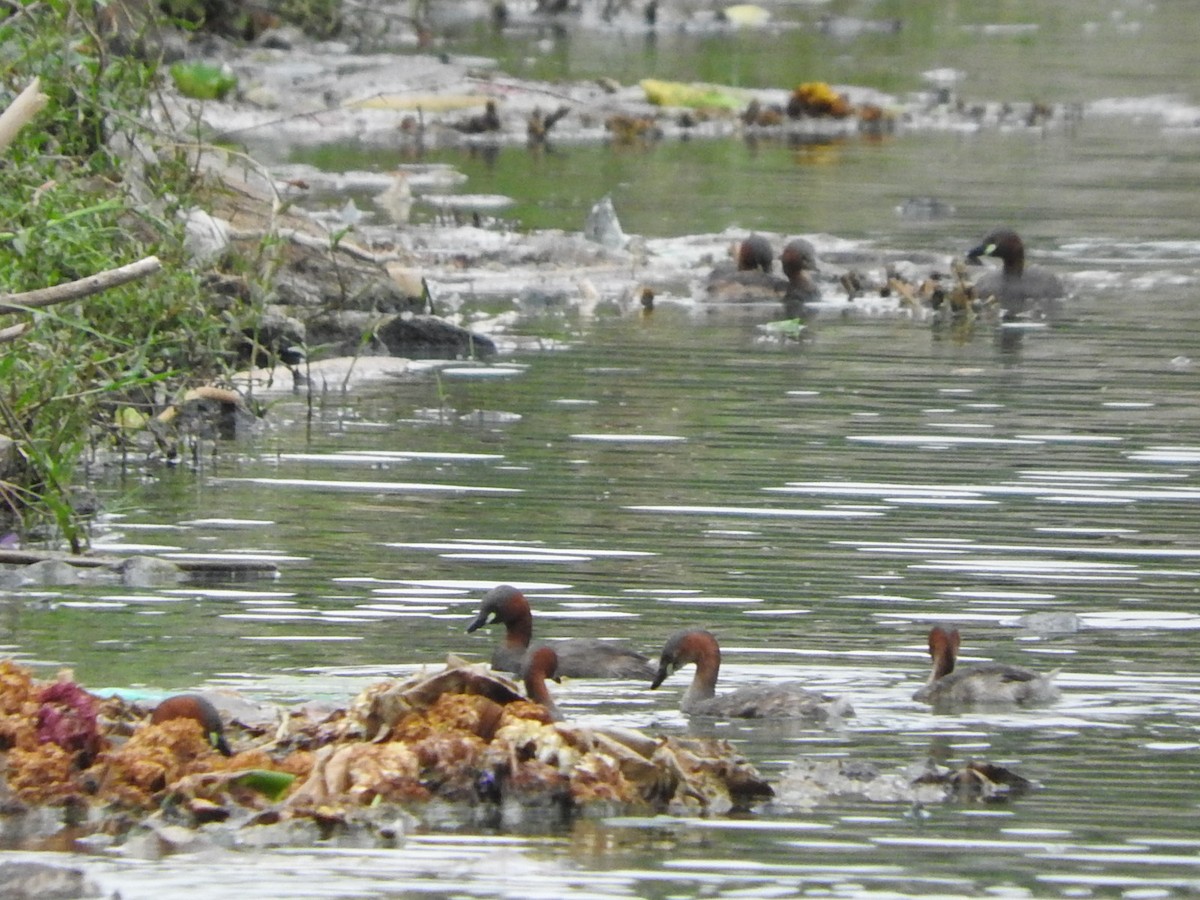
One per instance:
(755, 285)
(1016, 286)
(577, 657)
(749, 278)
(196, 708)
(797, 260)
(987, 683)
(787, 700)
(541, 664)
(754, 253)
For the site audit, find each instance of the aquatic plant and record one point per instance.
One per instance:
(87, 188)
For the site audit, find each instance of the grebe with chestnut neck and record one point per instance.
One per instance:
(1018, 288)
(983, 684)
(784, 700)
(577, 657)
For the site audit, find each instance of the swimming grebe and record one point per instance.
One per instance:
(196, 708)
(787, 700)
(540, 664)
(797, 260)
(754, 283)
(754, 253)
(577, 657)
(987, 683)
(1016, 286)
(749, 278)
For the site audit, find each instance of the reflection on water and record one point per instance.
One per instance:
(816, 505)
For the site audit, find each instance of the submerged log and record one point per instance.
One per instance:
(241, 566)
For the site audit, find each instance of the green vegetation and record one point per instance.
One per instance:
(202, 81)
(70, 207)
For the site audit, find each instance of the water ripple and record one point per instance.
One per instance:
(759, 512)
(384, 487)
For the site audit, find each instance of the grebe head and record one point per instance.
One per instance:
(690, 646)
(541, 664)
(752, 253)
(797, 257)
(199, 710)
(943, 649)
(1004, 244)
(501, 604)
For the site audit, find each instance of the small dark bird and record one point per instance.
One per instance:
(754, 253)
(539, 124)
(488, 120)
(1016, 286)
(577, 657)
(797, 260)
(196, 708)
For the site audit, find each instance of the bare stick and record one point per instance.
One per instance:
(13, 332)
(20, 111)
(74, 290)
(312, 242)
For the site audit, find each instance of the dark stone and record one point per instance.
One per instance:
(314, 279)
(39, 881)
(428, 337)
(340, 332)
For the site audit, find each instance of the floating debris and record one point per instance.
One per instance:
(696, 95)
(460, 736)
(816, 98)
(811, 782)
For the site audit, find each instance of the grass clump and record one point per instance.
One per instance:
(72, 205)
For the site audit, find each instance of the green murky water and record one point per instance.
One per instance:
(817, 504)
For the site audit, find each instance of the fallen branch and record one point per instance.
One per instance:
(84, 287)
(313, 242)
(12, 332)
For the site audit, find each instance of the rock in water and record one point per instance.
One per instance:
(603, 227)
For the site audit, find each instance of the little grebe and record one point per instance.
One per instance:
(541, 664)
(577, 657)
(749, 277)
(754, 253)
(787, 700)
(1016, 286)
(797, 260)
(987, 683)
(196, 708)
(754, 283)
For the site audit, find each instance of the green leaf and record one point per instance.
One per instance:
(267, 782)
(784, 327)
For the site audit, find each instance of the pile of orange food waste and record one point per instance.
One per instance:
(461, 735)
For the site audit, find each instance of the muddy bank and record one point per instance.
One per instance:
(386, 82)
(358, 277)
(358, 283)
